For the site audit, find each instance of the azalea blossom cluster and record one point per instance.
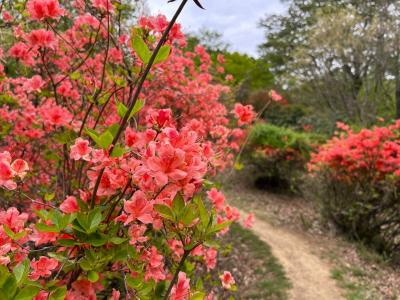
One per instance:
(359, 177)
(369, 153)
(109, 160)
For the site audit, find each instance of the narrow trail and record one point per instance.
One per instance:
(309, 275)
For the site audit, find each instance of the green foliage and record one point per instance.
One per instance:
(292, 115)
(249, 74)
(141, 48)
(280, 156)
(267, 135)
(332, 56)
(254, 73)
(364, 211)
(16, 286)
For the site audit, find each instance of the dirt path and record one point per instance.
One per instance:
(310, 276)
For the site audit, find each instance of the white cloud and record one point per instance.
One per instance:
(236, 19)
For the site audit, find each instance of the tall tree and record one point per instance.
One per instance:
(340, 56)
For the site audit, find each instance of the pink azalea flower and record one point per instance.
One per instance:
(104, 5)
(155, 266)
(81, 150)
(7, 17)
(249, 221)
(43, 9)
(227, 280)
(244, 113)
(41, 238)
(8, 170)
(69, 205)
(23, 52)
(211, 258)
(34, 84)
(115, 295)
(43, 295)
(275, 96)
(42, 267)
(42, 38)
(13, 219)
(82, 290)
(176, 247)
(139, 208)
(217, 198)
(181, 290)
(136, 233)
(20, 167)
(168, 164)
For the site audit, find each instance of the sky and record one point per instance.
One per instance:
(236, 19)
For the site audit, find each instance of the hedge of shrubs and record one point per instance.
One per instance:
(280, 156)
(358, 176)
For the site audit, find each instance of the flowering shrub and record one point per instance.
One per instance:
(359, 173)
(103, 158)
(280, 155)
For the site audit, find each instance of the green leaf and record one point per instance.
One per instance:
(67, 242)
(92, 133)
(95, 217)
(4, 274)
(49, 197)
(77, 223)
(178, 204)
(93, 276)
(141, 49)
(204, 217)
(58, 294)
(9, 287)
(105, 140)
(8, 231)
(221, 226)
(190, 214)
(164, 211)
(118, 151)
(12, 235)
(89, 222)
(27, 293)
(46, 228)
(21, 271)
(137, 107)
(43, 214)
(113, 129)
(97, 239)
(60, 220)
(75, 75)
(117, 240)
(65, 137)
(121, 109)
(61, 258)
(238, 166)
(163, 54)
(135, 283)
(198, 296)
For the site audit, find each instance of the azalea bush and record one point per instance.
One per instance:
(280, 156)
(110, 136)
(358, 175)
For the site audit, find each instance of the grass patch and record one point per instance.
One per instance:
(250, 254)
(353, 290)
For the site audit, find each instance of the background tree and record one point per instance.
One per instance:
(340, 57)
(250, 77)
